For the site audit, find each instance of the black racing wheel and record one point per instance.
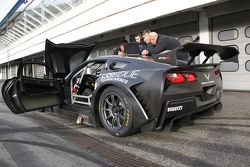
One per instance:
(116, 112)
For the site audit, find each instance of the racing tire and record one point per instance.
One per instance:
(115, 112)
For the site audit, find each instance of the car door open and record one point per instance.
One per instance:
(35, 87)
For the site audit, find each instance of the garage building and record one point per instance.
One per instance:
(107, 22)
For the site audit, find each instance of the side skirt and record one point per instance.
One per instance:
(80, 113)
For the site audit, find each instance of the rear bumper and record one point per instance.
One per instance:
(174, 110)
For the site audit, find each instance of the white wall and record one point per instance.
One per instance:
(204, 32)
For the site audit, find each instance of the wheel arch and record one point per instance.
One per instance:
(96, 98)
(137, 109)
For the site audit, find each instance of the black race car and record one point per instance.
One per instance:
(123, 94)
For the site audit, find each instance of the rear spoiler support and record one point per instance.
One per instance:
(208, 54)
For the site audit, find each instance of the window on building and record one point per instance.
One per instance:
(101, 53)
(93, 54)
(247, 32)
(229, 66)
(247, 49)
(3, 73)
(13, 70)
(110, 51)
(227, 35)
(247, 65)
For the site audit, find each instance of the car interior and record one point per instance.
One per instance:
(83, 83)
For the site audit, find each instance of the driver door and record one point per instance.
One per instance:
(35, 87)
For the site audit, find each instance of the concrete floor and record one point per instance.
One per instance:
(215, 138)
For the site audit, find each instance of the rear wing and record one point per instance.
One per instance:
(194, 50)
(188, 52)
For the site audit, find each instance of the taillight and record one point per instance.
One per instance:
(175, 78)
(217, 73)
(190, 77)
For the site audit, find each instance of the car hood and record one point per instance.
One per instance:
(63, 58)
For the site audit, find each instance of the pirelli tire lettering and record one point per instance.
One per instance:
(127, 115)
(127, 118)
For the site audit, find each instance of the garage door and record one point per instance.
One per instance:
(185, 32)
(234, 30)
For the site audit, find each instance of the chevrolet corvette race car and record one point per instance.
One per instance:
(122, 94)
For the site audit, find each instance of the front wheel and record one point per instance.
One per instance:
(115, 112)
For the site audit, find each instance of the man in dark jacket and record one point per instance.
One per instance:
(141, 43)
(158, 43)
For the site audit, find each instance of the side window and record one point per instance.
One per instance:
(27, 70)
(93, 68)
(117, 65)
(37, 71)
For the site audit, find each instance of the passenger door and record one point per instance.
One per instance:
(35, 87)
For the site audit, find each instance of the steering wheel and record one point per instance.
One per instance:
(90, 81)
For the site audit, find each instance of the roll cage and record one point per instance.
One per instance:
(83, 82)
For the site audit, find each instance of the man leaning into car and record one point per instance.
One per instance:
(158, 43)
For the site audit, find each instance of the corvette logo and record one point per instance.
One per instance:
(207, 76)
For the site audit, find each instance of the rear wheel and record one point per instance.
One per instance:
(115, 112)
